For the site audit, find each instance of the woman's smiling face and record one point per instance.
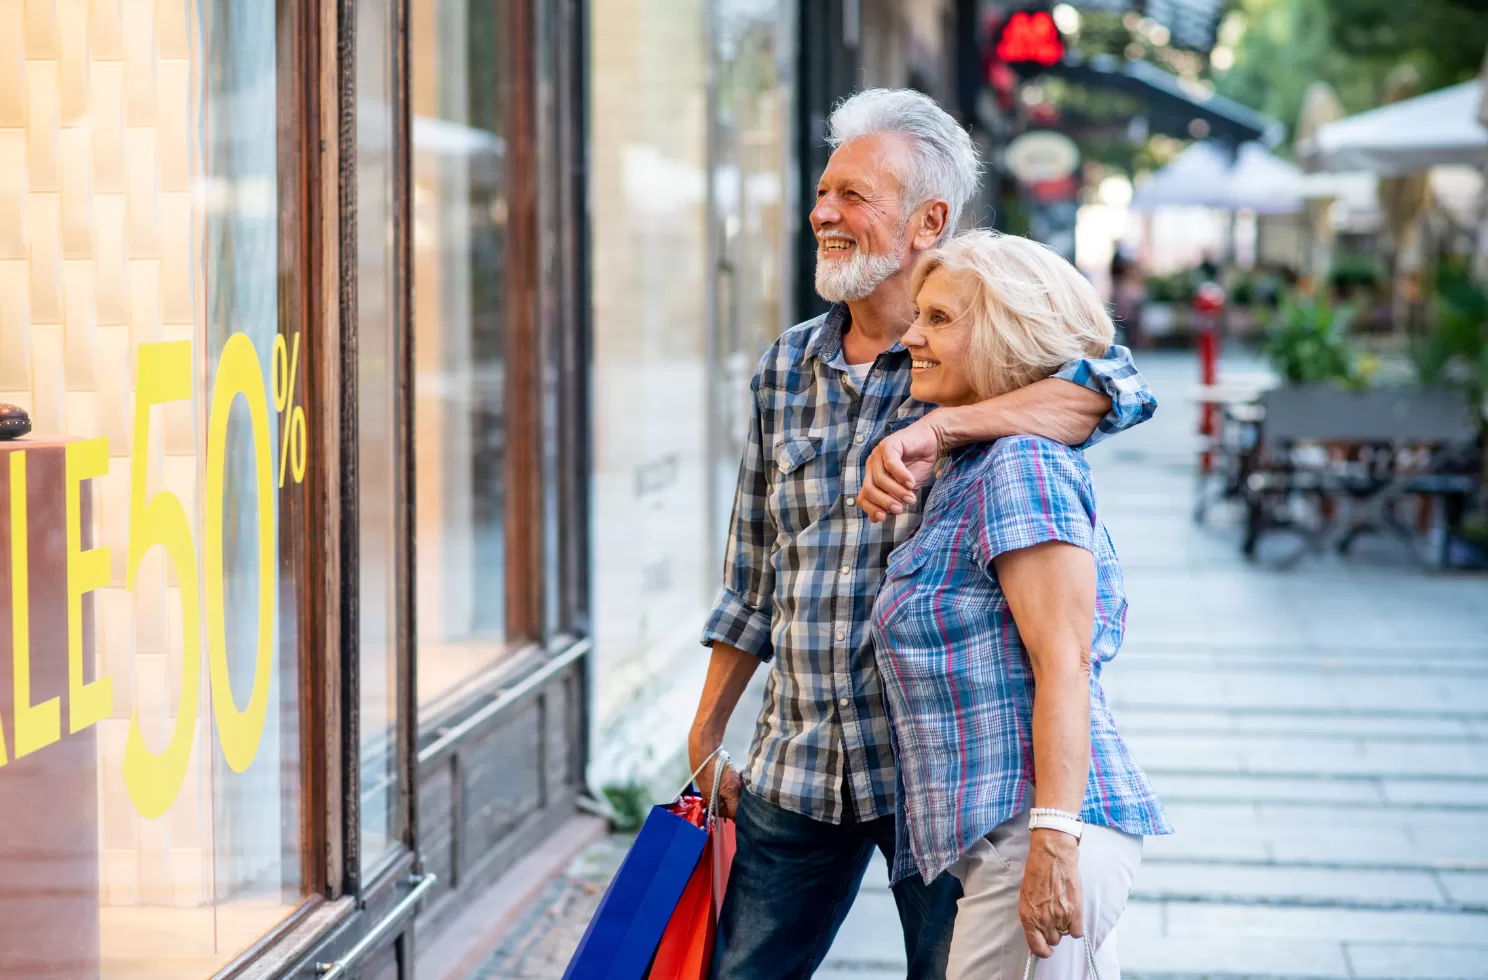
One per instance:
(939, 337)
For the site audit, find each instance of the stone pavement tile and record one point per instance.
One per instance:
(1416, 820)
(1445, 848)
(1248, 789)
(871, 937)
(1226, 845)
(1426, 757)
(1188, 753)
(853, 973)
(1389, 961)
(1447, 792)
(876, 878)
(1142, 920)
(1230, 816)
(1203, 920)
(1360, 845)
(1239, 883)
(1466, 887)
(1218, 957)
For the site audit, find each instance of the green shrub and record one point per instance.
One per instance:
(631, 803)
(1456, 353)
(1308, 343)
(1354, 271)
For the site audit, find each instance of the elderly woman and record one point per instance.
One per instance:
(1011, 589)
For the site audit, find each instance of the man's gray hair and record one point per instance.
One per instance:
(945, 161)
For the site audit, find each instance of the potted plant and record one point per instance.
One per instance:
(1240, 309)
(1308, 344)
(1455, 355)
(1157, 307)
(1165, 309)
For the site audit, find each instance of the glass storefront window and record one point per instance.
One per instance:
(750, 163)
(460, 92)
(378, 496)
(647, 191)
(150, 777)
(685, 302)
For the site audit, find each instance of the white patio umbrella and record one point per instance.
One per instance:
(1204, 176)
(1264, 183)
(1441, 127)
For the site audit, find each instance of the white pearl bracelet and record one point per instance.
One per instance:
(1047, 818)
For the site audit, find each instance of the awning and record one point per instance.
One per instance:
(1441, 127)
(1172, 104)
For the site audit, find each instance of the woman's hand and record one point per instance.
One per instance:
(1052, 903)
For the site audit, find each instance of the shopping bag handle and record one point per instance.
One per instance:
(723, 760)
(722, 757)
(1089, 960)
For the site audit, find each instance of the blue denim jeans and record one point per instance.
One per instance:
(792, 883)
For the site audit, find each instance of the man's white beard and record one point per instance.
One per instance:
(845, 282)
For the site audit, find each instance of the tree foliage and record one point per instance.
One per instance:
(1352, 45)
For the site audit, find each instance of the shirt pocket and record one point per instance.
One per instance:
(907, 559)
(800, 494)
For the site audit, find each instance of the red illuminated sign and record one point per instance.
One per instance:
(1030, 36)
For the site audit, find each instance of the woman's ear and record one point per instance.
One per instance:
(930, 224)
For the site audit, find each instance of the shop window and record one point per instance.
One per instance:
(380, 488)
(460, 97)
(648, 188)
(151, 783)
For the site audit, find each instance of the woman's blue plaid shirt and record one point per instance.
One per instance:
(959, 680)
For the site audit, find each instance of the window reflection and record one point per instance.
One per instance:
(377, 419)
(460, 93)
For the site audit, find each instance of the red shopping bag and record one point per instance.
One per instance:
(687, 945)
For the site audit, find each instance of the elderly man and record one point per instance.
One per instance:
(814, 521)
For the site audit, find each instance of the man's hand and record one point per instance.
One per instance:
(898, 467)
(1051, 904)
(731, 784)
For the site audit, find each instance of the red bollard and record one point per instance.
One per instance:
(1208, 307)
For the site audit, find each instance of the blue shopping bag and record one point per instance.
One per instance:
(627, 927)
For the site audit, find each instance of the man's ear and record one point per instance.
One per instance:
(929, 224)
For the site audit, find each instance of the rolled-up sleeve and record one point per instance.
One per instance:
(745, 606)
(1117, 377)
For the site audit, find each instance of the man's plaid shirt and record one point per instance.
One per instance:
(804, 565)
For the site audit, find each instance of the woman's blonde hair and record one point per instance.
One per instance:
(1031, 312)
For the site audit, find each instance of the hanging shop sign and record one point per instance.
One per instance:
(1046, 163)
(1030, 37)
(164, 373)
(1042, 156)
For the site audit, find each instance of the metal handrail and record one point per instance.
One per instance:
(421, 884)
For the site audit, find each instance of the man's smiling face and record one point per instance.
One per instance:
(859, 218)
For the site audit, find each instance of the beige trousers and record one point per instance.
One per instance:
(988, 941)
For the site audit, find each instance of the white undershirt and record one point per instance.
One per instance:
(859, 373)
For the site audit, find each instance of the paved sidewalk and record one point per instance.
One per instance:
(1320, 738)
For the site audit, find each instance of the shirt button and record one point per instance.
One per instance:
(860, 437)
(844, 701)
(842, 634)
(851, 501)
(844, 569)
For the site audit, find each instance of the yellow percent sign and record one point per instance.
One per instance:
(286, 367)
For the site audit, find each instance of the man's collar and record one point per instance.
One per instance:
(826, 341)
